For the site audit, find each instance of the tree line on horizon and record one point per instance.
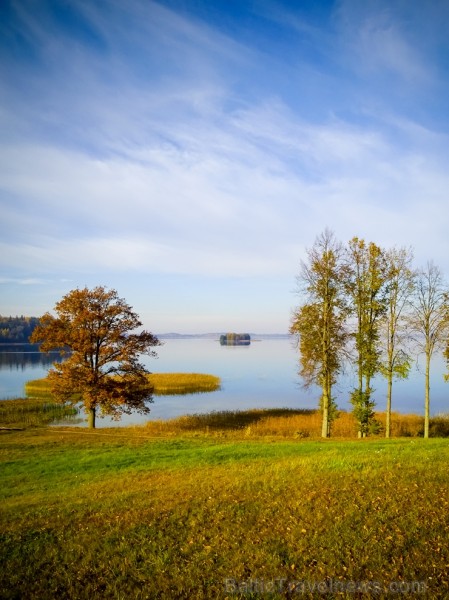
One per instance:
(15, 330)
(370, 308)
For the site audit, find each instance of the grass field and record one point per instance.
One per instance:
(132, 513)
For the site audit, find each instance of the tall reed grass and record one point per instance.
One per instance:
(164, 384)
(283, 422)
(25, 412)
(183, 383)
(289, 423)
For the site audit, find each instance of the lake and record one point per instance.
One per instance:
(261, 375)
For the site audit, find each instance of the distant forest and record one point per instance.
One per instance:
(14, 330)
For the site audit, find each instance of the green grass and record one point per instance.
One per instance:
(121, 514)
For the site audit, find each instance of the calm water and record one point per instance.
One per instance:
(261, 375)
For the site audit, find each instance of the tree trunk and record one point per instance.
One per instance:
(360, 431)
(427, 397)
(325, 422)
(91, 418)
(388, 416)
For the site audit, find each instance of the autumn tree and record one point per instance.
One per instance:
(365, 287)
(429, 321)
(94, 330)
(320, 321)
(396, 361)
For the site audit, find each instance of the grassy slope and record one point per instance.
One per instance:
(118, 514)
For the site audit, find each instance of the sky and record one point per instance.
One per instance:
(187, 153)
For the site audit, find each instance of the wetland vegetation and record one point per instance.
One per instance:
(163, 384)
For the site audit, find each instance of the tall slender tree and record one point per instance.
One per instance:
(366, 289)
(320, 321)
(429, 321)
(396, 360)
(446, 342)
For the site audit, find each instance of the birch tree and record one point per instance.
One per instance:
(366, 287)
(320, 321)
(429, 320)
(396, 361)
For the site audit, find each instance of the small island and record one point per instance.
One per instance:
(235, 339)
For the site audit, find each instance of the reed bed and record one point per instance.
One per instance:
(183, 383)
(38, 388)
(164, 384)
(26, 412)
(289, 424)
(286, 423)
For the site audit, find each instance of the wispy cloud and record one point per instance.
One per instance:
(187, 148)
(29, 281)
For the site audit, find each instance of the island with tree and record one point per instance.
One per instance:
(235, 339)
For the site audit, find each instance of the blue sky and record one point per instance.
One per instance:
(186, 153)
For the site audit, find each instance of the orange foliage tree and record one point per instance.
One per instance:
(93, 328)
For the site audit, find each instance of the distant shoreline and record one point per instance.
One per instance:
(179, 336)
(213, 336)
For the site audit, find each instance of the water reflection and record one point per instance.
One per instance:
(19, 363)
(262, 375)
(21, 356)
